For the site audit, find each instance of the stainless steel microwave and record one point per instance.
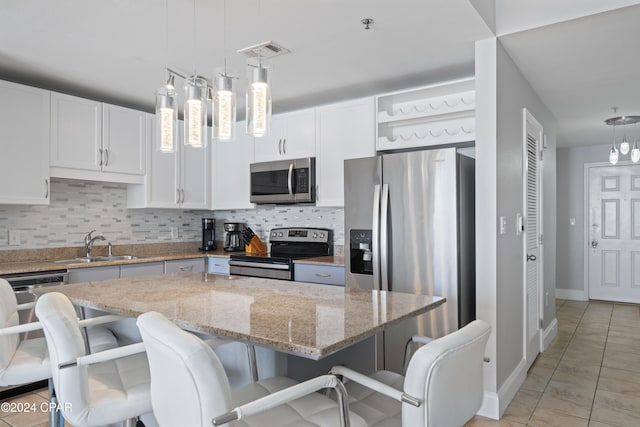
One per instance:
(284, 181)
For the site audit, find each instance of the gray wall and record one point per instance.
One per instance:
(570, 202)
(501, 94)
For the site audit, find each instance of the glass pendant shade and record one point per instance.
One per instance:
(635, 153)
(224, 110)
(258, 103)
(195, 112)
(624, 146)
(166, 119)
(613, 155)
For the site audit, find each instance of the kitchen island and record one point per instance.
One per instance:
(304, 319)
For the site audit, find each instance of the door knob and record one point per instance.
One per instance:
(531, 258)
(594, 243)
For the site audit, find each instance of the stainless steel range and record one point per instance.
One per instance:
(287, 244)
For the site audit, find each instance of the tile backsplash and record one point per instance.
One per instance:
(77, 207)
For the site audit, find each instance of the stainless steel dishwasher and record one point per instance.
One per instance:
(23, 285)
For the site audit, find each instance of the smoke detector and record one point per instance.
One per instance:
(264, 50)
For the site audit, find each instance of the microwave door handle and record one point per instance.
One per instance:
(290, 180)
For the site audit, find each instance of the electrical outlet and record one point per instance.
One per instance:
(174, 233)
(14, 237)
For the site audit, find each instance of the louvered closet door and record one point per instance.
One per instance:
(614, 233)
(533, 135)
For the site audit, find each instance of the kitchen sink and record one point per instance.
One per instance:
(85, 260)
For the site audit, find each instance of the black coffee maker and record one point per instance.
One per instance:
(208, 234)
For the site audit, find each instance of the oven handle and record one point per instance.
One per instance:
(259, 265)
(290, 180)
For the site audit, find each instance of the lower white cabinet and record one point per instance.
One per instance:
(144, 269)
(218, 265)
(319, 273)
(24, 138)
(194, 265)
(93, 274)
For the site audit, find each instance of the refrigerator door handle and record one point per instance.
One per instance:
(384, 238)
(375, 237)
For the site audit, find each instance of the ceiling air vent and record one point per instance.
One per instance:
(265, 50)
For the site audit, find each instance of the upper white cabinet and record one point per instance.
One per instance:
(231, 160)
(174, 180)
(292, 136)
(429, 116)
(345, 131)
(95, 141)
(24, 137)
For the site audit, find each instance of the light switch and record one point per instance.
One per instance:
(503, 225)
(174, 233)
(519, 224)
(572, 222)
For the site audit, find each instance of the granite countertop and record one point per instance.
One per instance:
(337, 261)
(306, 319)
(37, 260)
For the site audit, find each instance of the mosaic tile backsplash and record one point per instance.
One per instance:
(77, 207)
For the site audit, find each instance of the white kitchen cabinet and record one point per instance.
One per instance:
(292, 136)
(174, 180)
(95, 141)
(231, 160)
(143, 269)
(218, 265)
(345, 130)
(319, 273)
(193, 265)
(93, 274)
(24, 137)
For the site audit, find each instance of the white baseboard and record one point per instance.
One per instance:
(572, 294)
(494, 404)
(548, 335)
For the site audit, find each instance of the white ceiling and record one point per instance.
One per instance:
(116, 50)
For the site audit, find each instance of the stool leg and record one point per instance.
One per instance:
(55, 415)
(253, 366)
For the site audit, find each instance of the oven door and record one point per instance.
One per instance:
(268, 270)
(283, 181)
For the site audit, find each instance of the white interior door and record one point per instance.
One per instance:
(614, 233)
(532, 240)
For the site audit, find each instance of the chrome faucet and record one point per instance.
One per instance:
(89, 241)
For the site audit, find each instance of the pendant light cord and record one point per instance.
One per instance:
(224, 34)
(194, 50)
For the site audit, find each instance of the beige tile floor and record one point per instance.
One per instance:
(589, 376)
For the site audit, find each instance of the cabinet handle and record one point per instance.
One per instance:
(46, 188)
(280, 146)
(186, 268)
(100, 151)
(177, 195)
(182, 192)
(106, 152)
(323, 275)
(284, 146)
(317, 192)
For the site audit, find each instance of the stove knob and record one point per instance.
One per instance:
(274, 234)
(280, 234)
(322, 235)
(315, 235)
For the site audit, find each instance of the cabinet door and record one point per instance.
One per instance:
(300, 135)
(93, 274)
(76, 133)
(195, 177)
(218, 265)
(24, 136)
(163, 176)
(123, 140)
(193, 265)
(315, 273)
(269, 147)
(345, 131)
(144, 269)
(231, 160)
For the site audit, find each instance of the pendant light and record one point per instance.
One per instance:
(167, 117)
(624, 145)
(195, 107)
(166, 106)
(258, 102)
(613, 154)
(195, 111)
(223, 108)
(635, 151)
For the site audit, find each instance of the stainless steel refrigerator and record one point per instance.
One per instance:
(410, 227)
